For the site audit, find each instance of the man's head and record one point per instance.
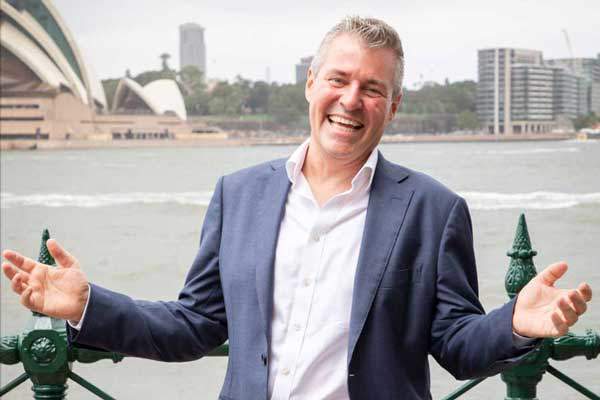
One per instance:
(353, 88)
(374, 33)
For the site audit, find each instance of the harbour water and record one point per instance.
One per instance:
(133, 216)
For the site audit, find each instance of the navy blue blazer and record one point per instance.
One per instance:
(415, 291)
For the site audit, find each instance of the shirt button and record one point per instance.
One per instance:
(306, 282)
(316, 236)
(297, 327)
(285, 371)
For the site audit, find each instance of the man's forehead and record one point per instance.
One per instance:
(346, 52)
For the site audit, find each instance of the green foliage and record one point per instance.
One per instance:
(467, 120)
(287, 103)
(586, 121)
(110, 87)
(450, 98)
(146, 77)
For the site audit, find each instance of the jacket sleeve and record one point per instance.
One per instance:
(464, 340)
(180, 330)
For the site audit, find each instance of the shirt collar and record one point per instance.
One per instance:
(293, 166)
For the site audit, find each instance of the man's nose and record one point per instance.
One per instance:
(351, 99)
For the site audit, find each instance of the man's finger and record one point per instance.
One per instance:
(62, 257)
(18, 283)
(559, 324)
(9, 270)
(19, 261)
(552, 273)
(568, 313)
(577, 301)
(26, 298)
(585, 290)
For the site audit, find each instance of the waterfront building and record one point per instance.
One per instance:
(159, 97)
(595, 95)
(48, 92)
(302, 69)
(520, 92)
(192, 50)
(583, 68)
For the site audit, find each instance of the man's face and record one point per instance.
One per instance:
(350, 99)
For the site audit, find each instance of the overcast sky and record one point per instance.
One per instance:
(440, 37)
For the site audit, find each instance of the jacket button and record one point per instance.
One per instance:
(263, 357)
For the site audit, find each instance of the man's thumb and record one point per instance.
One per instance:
(553, 272)
(62, 257)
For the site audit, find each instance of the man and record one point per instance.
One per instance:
(333, 274)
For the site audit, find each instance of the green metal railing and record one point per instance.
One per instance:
(522, 380)
(48, 361)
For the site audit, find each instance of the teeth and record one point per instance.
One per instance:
(345, 121)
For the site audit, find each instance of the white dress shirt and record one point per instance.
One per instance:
(315, 264)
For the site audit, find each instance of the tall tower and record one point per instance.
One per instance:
(192, 50)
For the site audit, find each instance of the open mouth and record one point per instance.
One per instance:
(344, 123)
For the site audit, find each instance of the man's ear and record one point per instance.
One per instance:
(396, 101)
(310, 82)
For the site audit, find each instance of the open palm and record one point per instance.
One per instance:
(59, 292)
(543, 310)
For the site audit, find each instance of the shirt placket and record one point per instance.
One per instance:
(310, 267)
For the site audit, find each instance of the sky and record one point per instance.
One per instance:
(266, 38)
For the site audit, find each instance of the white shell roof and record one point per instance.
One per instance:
(160, 96)
(42, 51)
(91, 82)
(29, 24)
(31, 55)
(166, 94)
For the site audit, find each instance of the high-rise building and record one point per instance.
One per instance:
(514, 91)
(519, 92)
(192, 50)
(584, 68)
(595, 98)
(302, 68)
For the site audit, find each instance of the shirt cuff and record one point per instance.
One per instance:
(77, 324)
(522, 341)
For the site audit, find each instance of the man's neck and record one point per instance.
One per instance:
(328, 177)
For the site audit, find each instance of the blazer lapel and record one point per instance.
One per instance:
(388, 202)
(271, 210)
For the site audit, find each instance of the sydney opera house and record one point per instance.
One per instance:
(49, 93)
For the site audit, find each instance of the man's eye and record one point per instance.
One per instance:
(373, 92)
(336, 81)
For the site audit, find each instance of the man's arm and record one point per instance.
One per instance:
(181, 330)
(464, 340)
(468, 343)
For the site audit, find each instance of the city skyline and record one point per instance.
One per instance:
(441, 40)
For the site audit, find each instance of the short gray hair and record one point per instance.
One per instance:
(375, 34)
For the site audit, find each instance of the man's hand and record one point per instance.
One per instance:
(58, 292)
(545, 311)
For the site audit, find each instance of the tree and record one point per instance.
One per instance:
(287, 103)
(467, 120)
(258, 97)
(585, 121)
(165, 59)
(110, 87)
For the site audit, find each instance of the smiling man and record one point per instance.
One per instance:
(333, 273)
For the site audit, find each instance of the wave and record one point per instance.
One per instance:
(476, 200)
(529, 201)
(9, 200)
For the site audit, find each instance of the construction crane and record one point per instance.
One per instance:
(570, 48)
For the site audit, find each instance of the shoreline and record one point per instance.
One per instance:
(272, 141)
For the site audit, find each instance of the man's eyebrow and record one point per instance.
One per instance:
(376, 82)
(337, 72)
(372, 81)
